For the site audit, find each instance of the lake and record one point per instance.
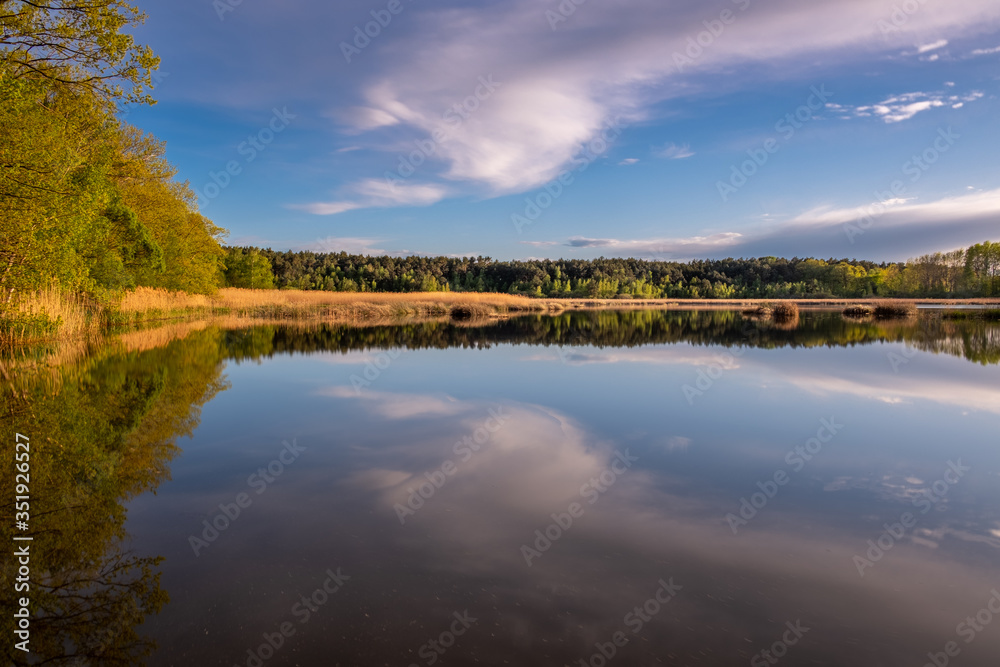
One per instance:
(591, 488)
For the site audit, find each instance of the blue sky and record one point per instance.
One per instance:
(581, 128)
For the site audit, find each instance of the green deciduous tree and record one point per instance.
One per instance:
(248, 268)
(77, 44)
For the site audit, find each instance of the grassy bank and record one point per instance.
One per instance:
(54, 314)
(51, 314)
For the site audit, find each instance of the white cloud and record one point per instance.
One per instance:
(391, 405)
(367, 118)
(986, 52)
(375, 192)
(663, 248)
(557, 90)
(933, 46)
(898, 108)
(351, 245)
(628, 161)
(672, 151)
(329, 208)
(898, 228)
(901, 211)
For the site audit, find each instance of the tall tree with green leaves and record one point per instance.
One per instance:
(248, 268)
(77, 44)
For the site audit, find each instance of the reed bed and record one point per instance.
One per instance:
(150, 299)
(45, 313)
(51, 312)
(893, 309)
(785, 310)
(859, 311)
(369, 305)
(782, 311)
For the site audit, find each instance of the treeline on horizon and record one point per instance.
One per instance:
(970, 272)
(88, 203)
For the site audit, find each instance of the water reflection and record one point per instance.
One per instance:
(101, 432)
(975, 340)
(544, 476)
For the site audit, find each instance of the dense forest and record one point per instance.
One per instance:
(88, 202)
(974, 271)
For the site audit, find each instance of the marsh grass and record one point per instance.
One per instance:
(893, 309)
(44, 314)
(51, 313)
(859, 311)
(783, 311)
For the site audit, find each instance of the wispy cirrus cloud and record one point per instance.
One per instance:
(611, 61)
(902, 211)
(664, 248)
(351, 245)
(900, 229)
(375, 193)
(902, 107)
(672, 151)
(933, 46)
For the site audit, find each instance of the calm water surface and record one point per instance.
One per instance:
(637, 488)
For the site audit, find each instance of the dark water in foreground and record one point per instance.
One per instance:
(637, 488)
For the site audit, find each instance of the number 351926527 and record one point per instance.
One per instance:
(23, 466)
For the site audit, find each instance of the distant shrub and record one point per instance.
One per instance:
(785, 310)
(859, 310)
(894, 309)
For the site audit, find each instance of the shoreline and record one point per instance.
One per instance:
(145, 309)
